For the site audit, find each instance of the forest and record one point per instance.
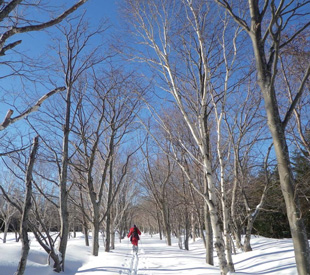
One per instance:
(189, 118)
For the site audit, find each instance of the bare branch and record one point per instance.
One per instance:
(295, 35)
(9, 47)
(8, 120)
(239, 20)
(14, 30)
(297, 97)
(6, 11)
(18, 207)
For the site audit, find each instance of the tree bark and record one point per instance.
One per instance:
(187, 230)
(209, 236)
(5, 232)
(193, 223)
(266, 67)
(63, 192)
(110, 191)
(8, 120)
(112, 238)
(85, 230)
(167, 227)
(288, 187)
(95, 230)
(277, 130)
(26, 209)
(84, 221)
(159, 224)
(108, 235)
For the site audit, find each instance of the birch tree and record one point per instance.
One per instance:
(181, 48)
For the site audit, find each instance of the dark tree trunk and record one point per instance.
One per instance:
(26, 208)
(108, 235)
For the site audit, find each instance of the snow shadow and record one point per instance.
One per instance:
(104, 269)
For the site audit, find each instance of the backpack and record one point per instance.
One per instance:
(135, 234)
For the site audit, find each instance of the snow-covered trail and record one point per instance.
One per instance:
(154, 258)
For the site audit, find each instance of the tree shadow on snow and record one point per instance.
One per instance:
(248, 263)
(114, 269)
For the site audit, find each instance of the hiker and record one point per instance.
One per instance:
(134, 233)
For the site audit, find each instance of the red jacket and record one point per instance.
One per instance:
(133, 239)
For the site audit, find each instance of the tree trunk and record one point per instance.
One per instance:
(266, 71)
(208, 228)
(63, 192)
(159, 225)
(85, 230)
(187, 230)
(227, 238)
(84, 221)
(64, 227)
(201, 232)
(107, 234)
(74, 228)
(193, 226)
(179, 236)
(25, 244)
(297, 226)
(108, 220)
(211, 200)
(236, 228)
(247, 238)
(226, 233)
(6, 229)
(95, 230)
(17, 237)
(26, 208)
(113, 239)
(166, 224)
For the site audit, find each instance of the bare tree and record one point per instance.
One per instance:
(156, 178)
(7, 210)
(25, 208)
(123, 200)
(104, 118)
(195, 71)
(246, 133)
(15, 20)
(72, 65)
(24, 228)
(268, 21)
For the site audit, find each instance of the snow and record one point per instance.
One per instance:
(269, 256)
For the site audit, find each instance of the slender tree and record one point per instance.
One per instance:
(265, 27)
(26, 209)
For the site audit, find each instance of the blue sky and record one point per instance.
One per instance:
(98, 9)
(35, 42)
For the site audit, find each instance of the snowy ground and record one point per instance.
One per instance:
(269, 256)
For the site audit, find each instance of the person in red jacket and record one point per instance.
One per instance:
(134, 233)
